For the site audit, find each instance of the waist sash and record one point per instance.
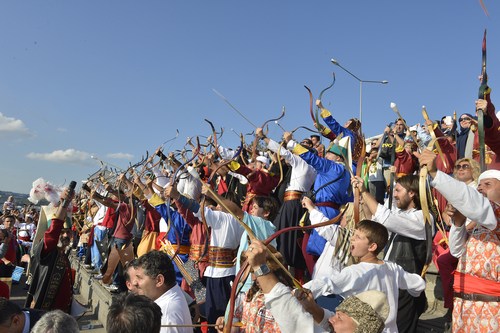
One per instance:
(220, 257)
(292, 195)
(196, 251)
(328, 204)
(468, 284)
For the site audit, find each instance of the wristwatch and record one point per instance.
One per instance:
(262, 270)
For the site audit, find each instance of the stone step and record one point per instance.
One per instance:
(91, 294)
(432, 320)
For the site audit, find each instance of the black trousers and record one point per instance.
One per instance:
(409, 310)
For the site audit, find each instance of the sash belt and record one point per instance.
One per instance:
(292, 195)
(477, 297)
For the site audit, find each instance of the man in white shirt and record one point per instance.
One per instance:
(154, 277)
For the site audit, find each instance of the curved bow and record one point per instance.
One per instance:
(424, 205)
(324, 90)
(256, 140)
(311, 106)
(245, 266)
(433, 135)
(214, 135)
(303, 127)
(359, 164)
(173, 180)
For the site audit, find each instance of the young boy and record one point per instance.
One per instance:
(370, 273)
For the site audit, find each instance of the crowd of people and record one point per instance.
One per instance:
(283, 235)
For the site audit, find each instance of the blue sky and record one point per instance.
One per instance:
(116, 78)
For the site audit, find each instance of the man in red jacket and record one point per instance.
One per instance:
(51, 279)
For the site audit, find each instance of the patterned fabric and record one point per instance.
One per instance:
(255, 316)
(221, 257)
(481, 260)
(196, 251)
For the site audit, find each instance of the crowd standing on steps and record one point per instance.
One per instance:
(263, 237)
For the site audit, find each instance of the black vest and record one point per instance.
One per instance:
(409, 253)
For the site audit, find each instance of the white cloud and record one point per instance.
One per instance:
(61, 129)
(122, 156)
(10, 125)
(63, 156)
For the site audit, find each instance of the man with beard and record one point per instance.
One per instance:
(407, 245)
(51, 279)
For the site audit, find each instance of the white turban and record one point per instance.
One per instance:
(490, 174)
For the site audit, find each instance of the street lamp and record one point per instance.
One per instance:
(335, 62)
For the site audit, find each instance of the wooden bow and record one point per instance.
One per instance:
(357, 195)
(245, 266)
(172, 182)
(214, 137)
(433, 135)
(315, 117)
(303, 127)
(256, 139)
(424, 205)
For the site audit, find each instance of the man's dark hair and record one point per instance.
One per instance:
(7, 310)
(410, 183)
(155, 263)
(375, 232)
(268, 204)
(315, 136)
(9, 216)
(132, 263)
(133, 313)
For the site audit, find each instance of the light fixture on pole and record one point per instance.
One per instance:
(335, 62)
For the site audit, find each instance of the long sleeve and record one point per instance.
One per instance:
(413, 283)
(457, 238)
(303, 175)
(328, 232)
(466, 200)
(338, 129)
(406, 223)
(51, 236)
(287, 310)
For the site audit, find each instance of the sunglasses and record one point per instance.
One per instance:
(465, 119)
(462, 166)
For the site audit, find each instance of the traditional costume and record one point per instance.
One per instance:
(51, 278)
(302, 178)
(476, 305)
(178, 234)
(331, 189)
(260, 182)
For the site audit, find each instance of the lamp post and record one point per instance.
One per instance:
(335, 62)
